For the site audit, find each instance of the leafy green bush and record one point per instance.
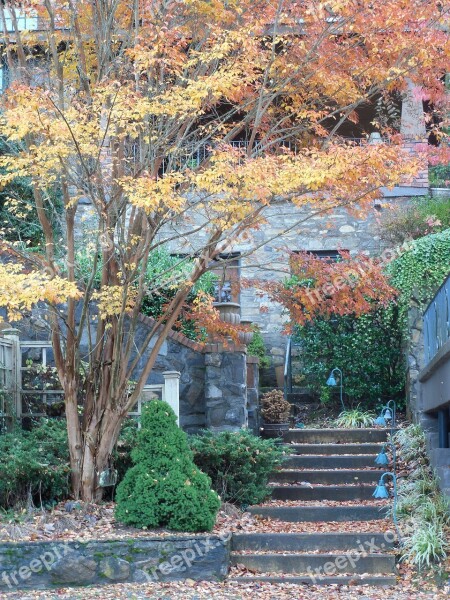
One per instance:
(34, 462)
(258, 348)
(439, 176)
(164, 275)
(18, 214)
(238, 463)
(367, 348)
(418, 219)
(164, 488)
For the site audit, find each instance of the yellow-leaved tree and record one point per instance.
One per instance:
(173, 118)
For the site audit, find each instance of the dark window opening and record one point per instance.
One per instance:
(227, 286)
(327, 255)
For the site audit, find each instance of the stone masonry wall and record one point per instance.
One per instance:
(287, 230)
(213, 378)
(49, 565)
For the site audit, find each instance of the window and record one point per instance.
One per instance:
(327, 255)
(227, 287)
(26, 21)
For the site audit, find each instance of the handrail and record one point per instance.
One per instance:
(288, 369)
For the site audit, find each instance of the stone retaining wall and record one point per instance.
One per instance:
(47, 565)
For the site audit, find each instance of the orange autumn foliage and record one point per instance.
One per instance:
(321, 288)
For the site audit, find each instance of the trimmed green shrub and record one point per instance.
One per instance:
(165, 488)
(238, 463)
(34, 462)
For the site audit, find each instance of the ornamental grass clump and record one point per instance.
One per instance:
(355, 417)
(164, 488)
(274, 407)
(422, 510)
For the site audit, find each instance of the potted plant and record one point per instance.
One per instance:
(275, 410)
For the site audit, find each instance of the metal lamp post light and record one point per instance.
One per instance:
(331, 381)
(383, 459)
(381, 491)
(388, 414)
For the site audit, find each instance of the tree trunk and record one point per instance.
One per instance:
(99, 442)
(74, 437)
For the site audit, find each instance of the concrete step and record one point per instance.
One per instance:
(328, 492)
(318, 513)
(301, 397)
(333, 449)
(373, 580)
(341, 476)
(309, 542)
(352, 461)
(324, 564)
(336, 436)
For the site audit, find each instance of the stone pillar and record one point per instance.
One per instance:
(412, 125)
(225, 387)
(172, 391)
(412, 128)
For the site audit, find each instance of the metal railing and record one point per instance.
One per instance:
(436, 322)
(193, 155)
(288, 369)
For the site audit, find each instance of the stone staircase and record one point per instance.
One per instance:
(323, 465)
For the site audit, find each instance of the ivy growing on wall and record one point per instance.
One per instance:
(421, 269)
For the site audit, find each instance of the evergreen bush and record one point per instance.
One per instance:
(34, 463)
(165, 488)
(238, 463)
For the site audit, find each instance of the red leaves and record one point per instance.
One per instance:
(351, 286)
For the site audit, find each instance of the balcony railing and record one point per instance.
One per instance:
(193, 155)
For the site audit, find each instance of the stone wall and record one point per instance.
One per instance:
(416, 400)
(213, 378)
(47, 565)
(289, 228)
(178, 353)
(339, 230)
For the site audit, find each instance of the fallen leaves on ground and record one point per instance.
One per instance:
(191, 590)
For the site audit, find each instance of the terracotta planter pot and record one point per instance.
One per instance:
(230, 312)
(274, 430)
